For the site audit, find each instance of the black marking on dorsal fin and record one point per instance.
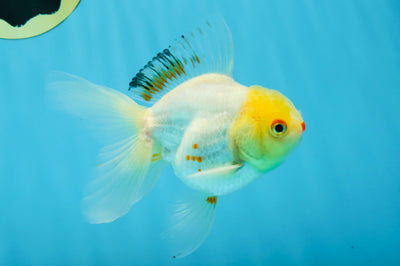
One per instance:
(158, 73)
(207, 49)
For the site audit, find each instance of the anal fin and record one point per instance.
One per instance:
(190, 224)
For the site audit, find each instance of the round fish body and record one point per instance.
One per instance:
(191, 124)
(217, 133)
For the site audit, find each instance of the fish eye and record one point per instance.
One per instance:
(278, 128)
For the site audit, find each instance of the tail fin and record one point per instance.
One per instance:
(126, 171)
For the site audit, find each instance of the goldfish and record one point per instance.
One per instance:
(183, 109)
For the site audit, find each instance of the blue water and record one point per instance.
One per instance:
(336, 200)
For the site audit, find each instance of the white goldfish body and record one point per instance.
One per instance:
(218, 135)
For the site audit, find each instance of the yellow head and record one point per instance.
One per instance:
(266, 129)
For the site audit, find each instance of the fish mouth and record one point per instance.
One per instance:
(303, 126)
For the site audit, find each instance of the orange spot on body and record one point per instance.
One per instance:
(212, 200)
(188, 157)
(199, 170)
(197, 59)
(193, 158)
(199, 159)
(195, 146)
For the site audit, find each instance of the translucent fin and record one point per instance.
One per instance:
(190, 224)
(119, 181)
(111, 115)
(207, 49)
(216, 172)
(155, 169)
(126, 171)
(223, 180)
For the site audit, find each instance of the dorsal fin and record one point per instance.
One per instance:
(207, 49)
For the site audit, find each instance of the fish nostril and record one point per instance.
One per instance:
(303, 126)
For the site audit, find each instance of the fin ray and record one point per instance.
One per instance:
(190, 224)
(125, 173)
(207, 49)
(223, 180)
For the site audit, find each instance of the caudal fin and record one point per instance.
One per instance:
(129, 166)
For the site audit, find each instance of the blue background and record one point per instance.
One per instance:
(336, 200)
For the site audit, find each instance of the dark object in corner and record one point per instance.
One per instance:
(18, 12)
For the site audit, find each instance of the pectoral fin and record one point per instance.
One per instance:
(219, 172)
(223, 180)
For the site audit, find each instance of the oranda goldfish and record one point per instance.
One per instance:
(217, 134)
